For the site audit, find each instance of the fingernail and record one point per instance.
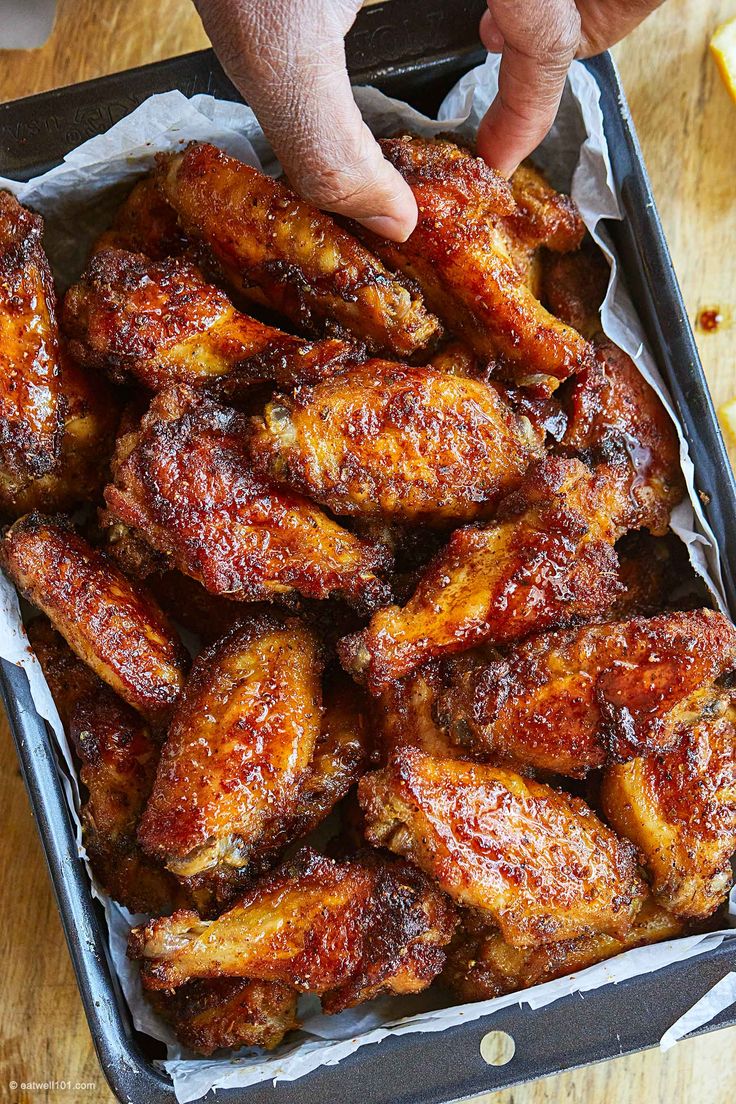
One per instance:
(386, 226)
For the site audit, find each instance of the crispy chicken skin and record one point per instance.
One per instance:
(31, 400)
(90, 421)
(111, 623)
(160, 323)
(656, 573)
(277, 249)
(482, 965)
(463, 255)
(407, 444)
(679, 810)
(227, 1012)
(119, 757)
(183, 479)
(238, 748)
(573, 701)
(547, 559)
(537, 860)
(615, 416)
(345, 930)
(544, 216)
(145, 223)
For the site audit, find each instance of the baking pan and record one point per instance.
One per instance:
(414, 49)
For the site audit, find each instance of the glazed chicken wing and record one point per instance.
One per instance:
(184, 481)
(574, 286)
(227, 1012)
(537, 860)
(238, 748)
(119, 757)
(406, 444)
(90, 421)
(160, 323)
(112, 624)
(406, 716)
(482, 965)
(463, 256)
(679, 810)
(547, 559)
(345, 930)
(275, 248)
(617, 417)
(145, 223)
(31, 401)
(572, 701)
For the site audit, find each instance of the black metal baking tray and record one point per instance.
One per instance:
(414, 49)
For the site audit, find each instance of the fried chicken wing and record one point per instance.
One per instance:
(345, 930)
(547, 559)
(406, 444)
(275, 248)
(679, 810)
(90, 421)
(145, 223)
(112, 624)
(119, 757)
(656, 573)
(227, 1012)
(405, 715)
(160, 323)
(573, 701)
(238, 748)
(482, 965)
(462, 255)
(537, 860)
(31, 400)
(616, 416)
(183, 479)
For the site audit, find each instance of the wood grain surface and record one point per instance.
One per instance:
(687, 126)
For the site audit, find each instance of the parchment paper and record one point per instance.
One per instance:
(77, 199)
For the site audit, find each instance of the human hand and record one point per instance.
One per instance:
(287, 57)
(538, 40)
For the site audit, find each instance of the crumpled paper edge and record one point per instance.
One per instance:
(77, 199)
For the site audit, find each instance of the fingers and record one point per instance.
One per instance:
(287, 57)
(606, 24)
(538, 40)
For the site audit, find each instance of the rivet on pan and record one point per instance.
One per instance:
(497, 1048)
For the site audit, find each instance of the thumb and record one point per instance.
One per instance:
(538, 41)
(287, 57)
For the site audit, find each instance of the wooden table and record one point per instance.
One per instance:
(687, 126)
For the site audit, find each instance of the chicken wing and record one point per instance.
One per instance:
(656, 574)
(537, 860)
(573, 701)
(345, 930)
(160, 323)
(227, 1012)
(542, 215)
(617, 417)
(462, 256)
(114, 625)
(278, 250)
(405, 716)
(119, 757)
(547, 559)
(184, 481)
(482, 965)
(238, 749)
(145, 223)
(31, 401)
(90, 421)
(385, 440)
(680, 812)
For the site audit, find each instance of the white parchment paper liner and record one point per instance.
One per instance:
(77, 199)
